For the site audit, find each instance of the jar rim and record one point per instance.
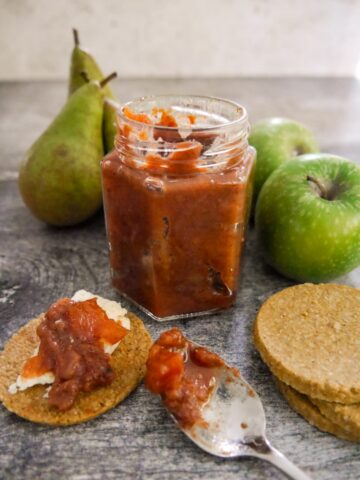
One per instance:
(239, 109)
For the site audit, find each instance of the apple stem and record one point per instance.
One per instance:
(320, 187)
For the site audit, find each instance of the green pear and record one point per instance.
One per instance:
(82, 60)
(59, 178)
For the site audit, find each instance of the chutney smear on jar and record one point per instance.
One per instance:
(184, 374)
(73, 336)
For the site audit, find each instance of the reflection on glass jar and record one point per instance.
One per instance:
(177, 193)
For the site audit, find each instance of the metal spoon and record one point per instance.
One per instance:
(236, 425)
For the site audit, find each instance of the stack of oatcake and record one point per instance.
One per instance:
(309, 336)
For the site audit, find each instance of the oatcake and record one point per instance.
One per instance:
(302, 405)
(309, 335)
(128, 362)
(347, 416)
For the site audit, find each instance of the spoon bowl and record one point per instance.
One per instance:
(234, 424)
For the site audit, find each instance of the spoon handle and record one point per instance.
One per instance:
(282, 463)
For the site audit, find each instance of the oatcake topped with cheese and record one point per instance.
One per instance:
(73, 363)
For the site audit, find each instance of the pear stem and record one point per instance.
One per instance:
(76, 37)
(107, 79)
(85, 76)
(319, 186)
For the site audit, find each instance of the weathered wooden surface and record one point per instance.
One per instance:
(38, 264)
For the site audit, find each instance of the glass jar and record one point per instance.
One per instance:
(177, 193)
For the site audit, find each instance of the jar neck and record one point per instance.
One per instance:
(181, 148)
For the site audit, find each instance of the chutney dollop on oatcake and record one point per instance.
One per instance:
(99, 364)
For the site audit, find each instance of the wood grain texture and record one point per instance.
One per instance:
(38, 264)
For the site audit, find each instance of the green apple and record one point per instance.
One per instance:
(308, 218)
(277, 140)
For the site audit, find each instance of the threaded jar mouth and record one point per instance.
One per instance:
(181, 133)
(221, 113)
